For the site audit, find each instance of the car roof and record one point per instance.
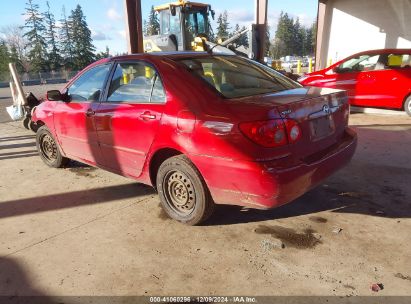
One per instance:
(171, 55)
(384, 51)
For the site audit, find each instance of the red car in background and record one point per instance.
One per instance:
(200, 128)
(378, 78)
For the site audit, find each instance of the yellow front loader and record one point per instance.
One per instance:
(184, 26)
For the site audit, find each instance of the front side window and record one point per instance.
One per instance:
(88, 86)
(137, 83)
(360, 63)
(238, 77)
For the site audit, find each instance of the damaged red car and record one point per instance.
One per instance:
(201, 129)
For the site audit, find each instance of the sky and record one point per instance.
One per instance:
(106, 17)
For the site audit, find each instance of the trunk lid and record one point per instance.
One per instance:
(321, 113)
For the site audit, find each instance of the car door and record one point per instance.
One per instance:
(355, 76)
(74, 120)
(128, 118)
(392, 83)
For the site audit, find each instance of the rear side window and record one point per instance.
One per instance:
(399, 61)
(237, 77)
(88, 86)
(136, 83)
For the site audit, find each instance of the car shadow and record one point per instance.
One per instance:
(15, 146)
(16, 285)
(13, 138)
(323, 198)
(72, 199)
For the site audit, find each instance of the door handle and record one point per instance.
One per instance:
(90, 112)
(147, 116)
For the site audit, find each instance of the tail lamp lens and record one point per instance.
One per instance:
(271, 133)
(294, 130)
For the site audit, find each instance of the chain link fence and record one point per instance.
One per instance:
(27, 79)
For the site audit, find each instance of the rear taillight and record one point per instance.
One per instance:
(293, 130)
(272, 133)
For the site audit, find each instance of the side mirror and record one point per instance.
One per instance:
(337, 70)
(55, 95)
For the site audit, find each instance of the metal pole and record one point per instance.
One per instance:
(261, 22)
(134, 26)
(21, 97)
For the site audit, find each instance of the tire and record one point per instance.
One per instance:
(33, 126)
(407, 106)
(183, 193)
(26, 123)
(48, 149)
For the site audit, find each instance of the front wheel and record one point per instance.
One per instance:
(407, 105)
(183, 193)
(48, 149)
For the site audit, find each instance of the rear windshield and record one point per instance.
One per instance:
(238, 77)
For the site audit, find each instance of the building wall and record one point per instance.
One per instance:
(352, 26)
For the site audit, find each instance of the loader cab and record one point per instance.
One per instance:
(184, 21)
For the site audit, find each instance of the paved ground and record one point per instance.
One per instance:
(83, 231)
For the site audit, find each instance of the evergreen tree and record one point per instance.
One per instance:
(153, 25)
(35, 36)
(15, 58)
(102, 55)
(243, 39)
(53, 52)
(298, 40)
(4, 61)
(284, 42)
(312, 37)
(267, 41)
(223, 26)
(145, 28)
(83, 48)
(66, 42)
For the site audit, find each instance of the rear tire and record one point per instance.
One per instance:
(48, 149)
(183, 193)
(407, 106)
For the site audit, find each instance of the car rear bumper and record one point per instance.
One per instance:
(266, 185)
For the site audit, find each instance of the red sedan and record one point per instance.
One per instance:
(202, 129)
(379, 78)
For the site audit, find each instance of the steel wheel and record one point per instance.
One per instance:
(48, 147)
(407, 105)
(183, 192)
(179, 192)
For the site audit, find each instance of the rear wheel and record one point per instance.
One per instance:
(183, 193)
(407, 105)
(48, 149)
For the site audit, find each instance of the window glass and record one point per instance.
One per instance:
(88, 86)
(135, 82)
(361, 63)
(175, 23)
(158, 95)
(237, 77)
(165, 22)
(406, 61)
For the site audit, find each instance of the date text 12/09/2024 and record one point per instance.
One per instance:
(206, 299)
